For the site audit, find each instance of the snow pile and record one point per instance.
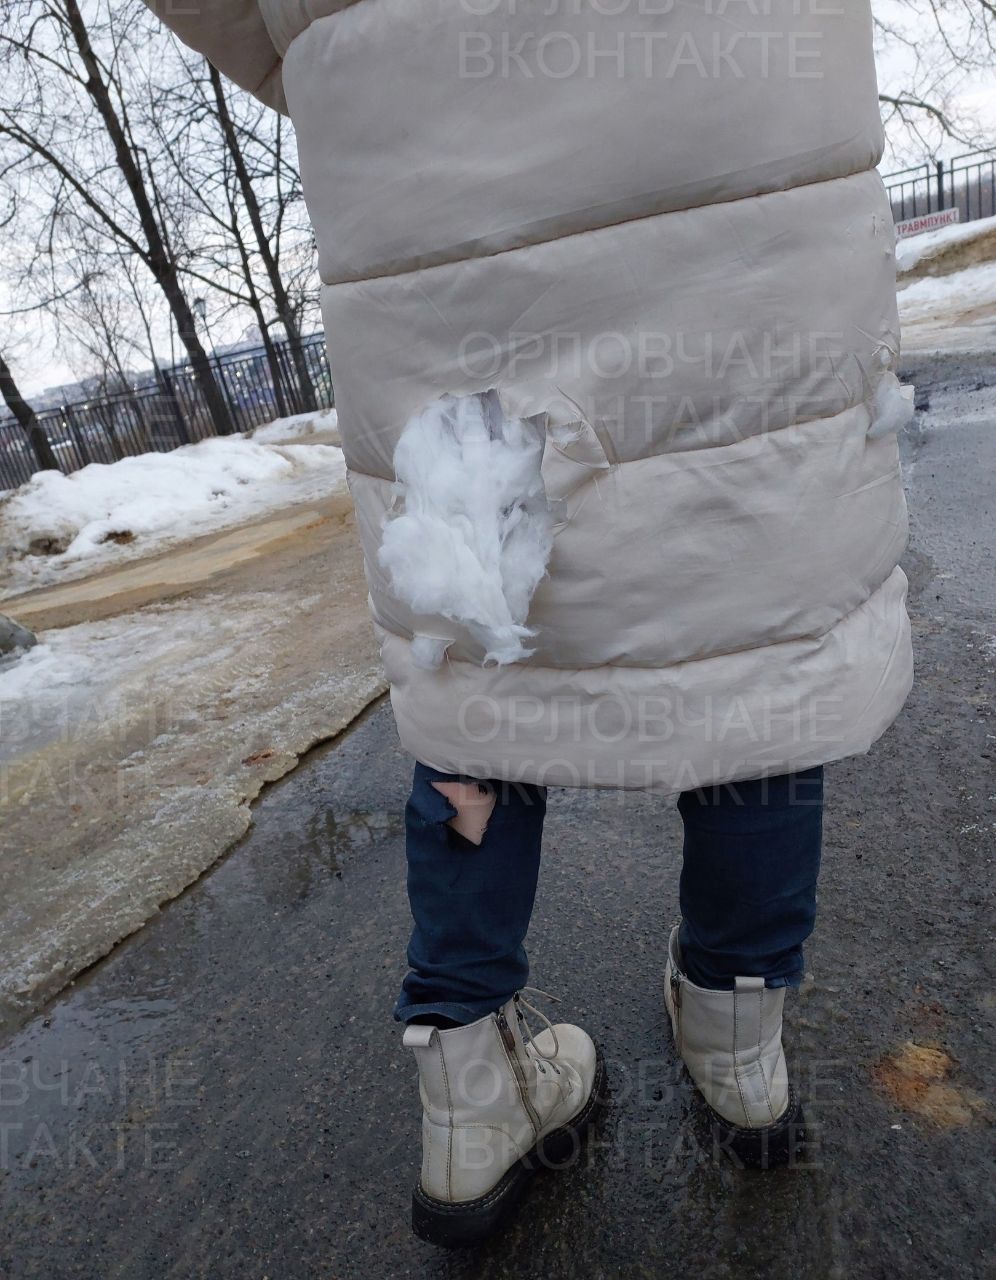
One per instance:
(962, 290)
(299, 426)
(475, 534)
(138, 505)
(36, 689)
(953, 308)
(913, 250)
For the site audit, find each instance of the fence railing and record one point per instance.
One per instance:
(169, 410)
(966, 183)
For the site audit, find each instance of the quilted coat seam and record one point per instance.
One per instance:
(613, 460)
(617, 665)
(527, 245)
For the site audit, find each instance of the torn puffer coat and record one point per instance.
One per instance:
(655, 231)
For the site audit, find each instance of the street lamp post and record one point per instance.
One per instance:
(200, 311)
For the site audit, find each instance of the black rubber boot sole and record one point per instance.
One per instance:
(773, 1147)
(469, 1222)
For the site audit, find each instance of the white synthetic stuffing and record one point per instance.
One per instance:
(891, 407)
(429, 651)
(474, 536)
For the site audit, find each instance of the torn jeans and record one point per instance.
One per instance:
(470, 903)
(748, 889)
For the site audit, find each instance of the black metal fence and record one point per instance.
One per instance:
(966, 183)
(169, 409)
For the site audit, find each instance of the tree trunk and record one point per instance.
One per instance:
(281, 301)
(159, 260)
(25, 415)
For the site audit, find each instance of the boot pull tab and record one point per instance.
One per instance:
(418, 1035)
(748, 1000)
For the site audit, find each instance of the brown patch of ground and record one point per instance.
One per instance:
(915, 1077)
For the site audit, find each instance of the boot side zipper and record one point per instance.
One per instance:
(506, 1032)
(676, 1002)
(508, 1040)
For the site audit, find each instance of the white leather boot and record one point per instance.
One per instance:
(497, 1103)
(731, 1043)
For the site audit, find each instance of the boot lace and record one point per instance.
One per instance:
(522, 1004)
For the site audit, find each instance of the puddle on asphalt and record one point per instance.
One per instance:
(122, 1034)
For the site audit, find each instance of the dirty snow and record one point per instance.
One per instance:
(56, 528)
(955, 312)
(299, 426)
(45, 670)
(132, 746)
(975, 286)
(914, 249)
(473, 539)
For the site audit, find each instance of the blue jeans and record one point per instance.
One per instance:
(748, 890)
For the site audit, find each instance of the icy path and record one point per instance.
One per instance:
(132, 744)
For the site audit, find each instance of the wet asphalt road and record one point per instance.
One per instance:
(226, 1094)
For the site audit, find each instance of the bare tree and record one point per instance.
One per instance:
(99, 175)
(98, 321)
(928, 49)
(26, 416)
(200, 172)
(223, 156)
(286, 312)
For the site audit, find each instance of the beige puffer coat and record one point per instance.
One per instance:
(657, 230)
